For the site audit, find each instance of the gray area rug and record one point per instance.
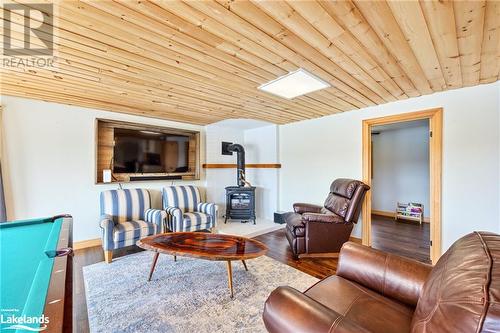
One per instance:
(190, 295)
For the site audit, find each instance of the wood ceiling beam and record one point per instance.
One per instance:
(411, 20)
(149, 8)
(440, 19)
(329, 111)
(334, 74)
(490, 50)
(247, 15)
(379, 16)
(100, 92)
(292, 20)
(351, 19)
(50, 96)
(266, 69)
(205, 15)
(224, 78)
(220, 30)
(202, 61)
(469, 20)
(336, 34)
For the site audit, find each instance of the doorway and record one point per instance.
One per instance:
(434, 117)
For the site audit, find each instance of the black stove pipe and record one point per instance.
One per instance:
(240, 157)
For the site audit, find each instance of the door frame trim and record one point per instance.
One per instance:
(435, 117)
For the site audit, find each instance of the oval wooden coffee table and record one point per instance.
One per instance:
(206, 246)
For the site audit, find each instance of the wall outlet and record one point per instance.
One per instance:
(106, 176)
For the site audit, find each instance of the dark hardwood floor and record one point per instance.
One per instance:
(405, 238)
(402, 238)
(280, 251)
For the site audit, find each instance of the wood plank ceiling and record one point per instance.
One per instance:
(202, 61)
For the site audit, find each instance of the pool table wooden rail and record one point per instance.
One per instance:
(59, 300)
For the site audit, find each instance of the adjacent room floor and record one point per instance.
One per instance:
(404, 238)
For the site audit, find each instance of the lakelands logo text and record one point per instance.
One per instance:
(33, 324)
(28, 35)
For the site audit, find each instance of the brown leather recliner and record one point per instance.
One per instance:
(313, 229)
(374, 291)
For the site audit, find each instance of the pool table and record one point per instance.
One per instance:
(36, 274)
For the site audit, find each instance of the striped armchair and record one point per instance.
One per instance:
(185, 211)
(126, 217)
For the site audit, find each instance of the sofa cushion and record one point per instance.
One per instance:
(133, 230)
(295, 225)
(459, 295)
(364, 307)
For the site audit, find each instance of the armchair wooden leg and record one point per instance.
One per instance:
(108, 256)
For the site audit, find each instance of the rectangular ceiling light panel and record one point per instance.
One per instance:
(294, 84)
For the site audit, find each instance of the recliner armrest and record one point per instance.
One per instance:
(301, 208)
(288, 310)
(327, 218)
(390, 275)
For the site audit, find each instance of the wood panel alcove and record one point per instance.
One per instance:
(105, 144)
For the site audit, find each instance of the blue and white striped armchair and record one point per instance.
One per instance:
(126, 217)
(185, 210)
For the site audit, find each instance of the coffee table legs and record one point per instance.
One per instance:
(230, 277)
(153, 265)
(229, 271)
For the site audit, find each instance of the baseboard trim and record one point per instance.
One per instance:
(355, 239)
(391, 214)
(86, 244)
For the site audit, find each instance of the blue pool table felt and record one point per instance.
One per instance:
(25, 269)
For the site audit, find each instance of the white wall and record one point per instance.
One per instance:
(50, 161)
(315, 152)
(260, 145)
(400, 167)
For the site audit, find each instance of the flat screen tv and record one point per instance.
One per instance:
(138, 151)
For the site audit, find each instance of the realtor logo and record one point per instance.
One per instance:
(28, 35)
(37, 24)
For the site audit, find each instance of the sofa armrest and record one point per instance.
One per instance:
(327, 218)
(288, 310)
(207, 208)
(157, 217)
(106, 222)
(390, 275)
(301, 208)
(174, 215)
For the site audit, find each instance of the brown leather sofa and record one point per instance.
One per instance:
(313, 229)
(374, 291)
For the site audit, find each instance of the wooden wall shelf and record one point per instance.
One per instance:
(250, 166)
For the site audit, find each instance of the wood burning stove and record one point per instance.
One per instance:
(240, 200)
(240, 203)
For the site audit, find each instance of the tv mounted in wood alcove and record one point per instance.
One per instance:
(135, 152)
